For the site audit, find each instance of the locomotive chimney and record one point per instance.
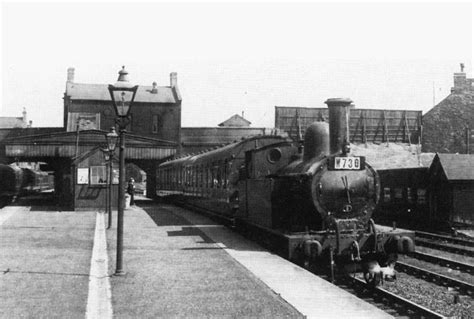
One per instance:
(338, 123)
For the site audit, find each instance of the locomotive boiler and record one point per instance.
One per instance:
(310, 204)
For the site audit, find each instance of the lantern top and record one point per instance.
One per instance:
(123, 80)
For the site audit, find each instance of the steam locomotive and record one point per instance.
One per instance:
(310, 203)
(16, 181)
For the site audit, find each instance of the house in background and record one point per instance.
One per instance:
(156, 111)
(447, 126)
(15, 122)
(236, 121)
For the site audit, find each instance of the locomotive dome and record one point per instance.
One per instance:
(316, 140)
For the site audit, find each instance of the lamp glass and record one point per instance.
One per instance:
(112, 139)
(123, 100)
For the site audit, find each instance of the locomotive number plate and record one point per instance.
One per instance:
(349, 162)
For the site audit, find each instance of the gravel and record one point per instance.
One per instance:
(437, 298)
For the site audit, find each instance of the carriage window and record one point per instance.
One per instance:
(409, 195)
(98, 175)
(219, 175)
(188, 176)
(226, 177)
(213, 177)
(201, 176)
(421, 196)
(386, 194)
(196, 176)
(398, 193)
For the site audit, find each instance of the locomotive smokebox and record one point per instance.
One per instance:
(338, 123)
(316, 140)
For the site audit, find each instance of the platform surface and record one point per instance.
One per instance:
(237, 277)
(178, 265)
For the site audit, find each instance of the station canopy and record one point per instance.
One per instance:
(72, 144)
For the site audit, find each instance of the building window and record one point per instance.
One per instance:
(386, 194)
(154, 127)
(421, 196)
(98, 175)
(83, 176)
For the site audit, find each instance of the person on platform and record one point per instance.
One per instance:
(131, 190)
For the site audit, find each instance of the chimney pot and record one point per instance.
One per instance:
(24, 117)
(70, 75)
(173, 79)
(154, 88)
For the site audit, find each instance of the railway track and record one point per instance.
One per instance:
(389, 302)
(447, 239)
(461, 286)
(452, 248)
(445, 262)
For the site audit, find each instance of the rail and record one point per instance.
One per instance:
(461, 286)
(446, 247)
(396, 302)
(468, 268)
(450, 239)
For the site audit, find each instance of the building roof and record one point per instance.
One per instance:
(213, 136)
(457, 166)
(235, 121)
(11, 122)
(100, 92)
(444, 126)
(393, 156)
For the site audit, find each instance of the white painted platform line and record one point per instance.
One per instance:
(99, 301)
(8, 212)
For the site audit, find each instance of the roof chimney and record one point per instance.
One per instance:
(70, 75)
(154, 88)
(460, 83)
(173, 79)
(25, 122)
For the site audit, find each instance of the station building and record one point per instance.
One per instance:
(73, 152)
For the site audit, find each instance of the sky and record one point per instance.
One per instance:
(234, 57)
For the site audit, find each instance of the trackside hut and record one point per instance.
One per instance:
(452, 188)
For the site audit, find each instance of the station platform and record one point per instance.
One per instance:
(178, 265)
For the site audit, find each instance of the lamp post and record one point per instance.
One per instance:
(122, 94)
(105, 152)
(111, 139)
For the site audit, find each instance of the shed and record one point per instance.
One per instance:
(451, 188)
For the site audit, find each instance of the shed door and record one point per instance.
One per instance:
(463, 204)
